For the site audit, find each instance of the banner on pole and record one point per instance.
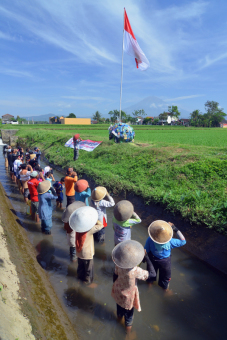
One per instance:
(87, 145)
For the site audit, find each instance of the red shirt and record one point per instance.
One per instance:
(32, 186)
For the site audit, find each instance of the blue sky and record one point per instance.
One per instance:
(65, 56)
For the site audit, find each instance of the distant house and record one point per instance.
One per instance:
(223, 124)
(139, 120)
(6, 118)
(184, 121)
(94, 122)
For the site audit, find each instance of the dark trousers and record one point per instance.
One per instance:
(100, 236)
(85, 270)
(127, 313)
(164, 267)
(76, 154)
(70, 200)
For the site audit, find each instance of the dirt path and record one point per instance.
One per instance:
(13, 324)
(29, 307)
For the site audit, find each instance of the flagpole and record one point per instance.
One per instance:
(122, 66)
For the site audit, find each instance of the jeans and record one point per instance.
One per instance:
(46, 225)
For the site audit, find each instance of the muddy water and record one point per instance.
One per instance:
(196, 310)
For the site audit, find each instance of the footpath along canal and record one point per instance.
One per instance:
(196, 310)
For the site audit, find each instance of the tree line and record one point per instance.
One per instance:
(213, 116)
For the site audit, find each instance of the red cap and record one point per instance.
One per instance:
(81, 185)
(75, 137)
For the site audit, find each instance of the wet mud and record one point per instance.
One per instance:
(196, 308)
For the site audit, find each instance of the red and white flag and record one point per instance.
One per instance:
(131, 45)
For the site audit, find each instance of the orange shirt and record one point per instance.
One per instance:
(69, 185)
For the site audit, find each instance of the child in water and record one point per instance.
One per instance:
(124, 218)
(58, 186)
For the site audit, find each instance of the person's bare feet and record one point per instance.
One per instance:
(168, 292)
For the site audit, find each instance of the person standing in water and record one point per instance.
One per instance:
(83, 191)
(98, 202)
(127, 255)
(158, 247)
(85, 223)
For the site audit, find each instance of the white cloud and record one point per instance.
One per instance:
(15, 73)
(153, 105)
(83, 98)
(5, 36)
(185, 97)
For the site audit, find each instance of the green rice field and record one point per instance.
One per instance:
(183, 169)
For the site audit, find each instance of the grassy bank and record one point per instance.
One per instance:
(184, 169)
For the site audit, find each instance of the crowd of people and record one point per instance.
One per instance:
(85, 221)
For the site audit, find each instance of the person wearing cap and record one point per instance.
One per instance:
(82, 191)
(70, 180)
(58, 186)
(158, 247)
(71, 234)
(32, 186)
(45, 194)
(76, 142)
(39, 169)
(98, 202)
(25, 173)
(123, 219)
(127, 255)
(6, 152)
(85, 222)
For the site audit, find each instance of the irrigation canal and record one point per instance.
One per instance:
(196, 310)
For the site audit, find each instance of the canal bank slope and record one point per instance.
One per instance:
(29, 306)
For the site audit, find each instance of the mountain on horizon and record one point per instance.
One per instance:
(153, 106)
(44, 118)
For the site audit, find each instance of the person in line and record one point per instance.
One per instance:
(45, 194)
(98, 202)
(59, 186)
(38, 154)
(6, 151)
(76, 142)
(25, 173)
(127, 255)
(16, 168)
(158, 247)
(40, 172)
(71, 234)
(70, 180)
(85, 222)
(123, 219)
(33, 160)
(83, 191)
(27, 155)
(32, 186)
(49, 177)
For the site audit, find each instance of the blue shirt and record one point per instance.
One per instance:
(162, 251)
(59, 189)
(45, 206)
(83, 196)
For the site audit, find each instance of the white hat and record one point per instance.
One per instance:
(83, 219)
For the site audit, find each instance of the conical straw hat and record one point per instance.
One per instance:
(160, 231)
(70, 209)
(123, 210)
(83, 219)
(98, 194)
(43, 187)
(81, 185)
(32, 156)
(128, 254)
